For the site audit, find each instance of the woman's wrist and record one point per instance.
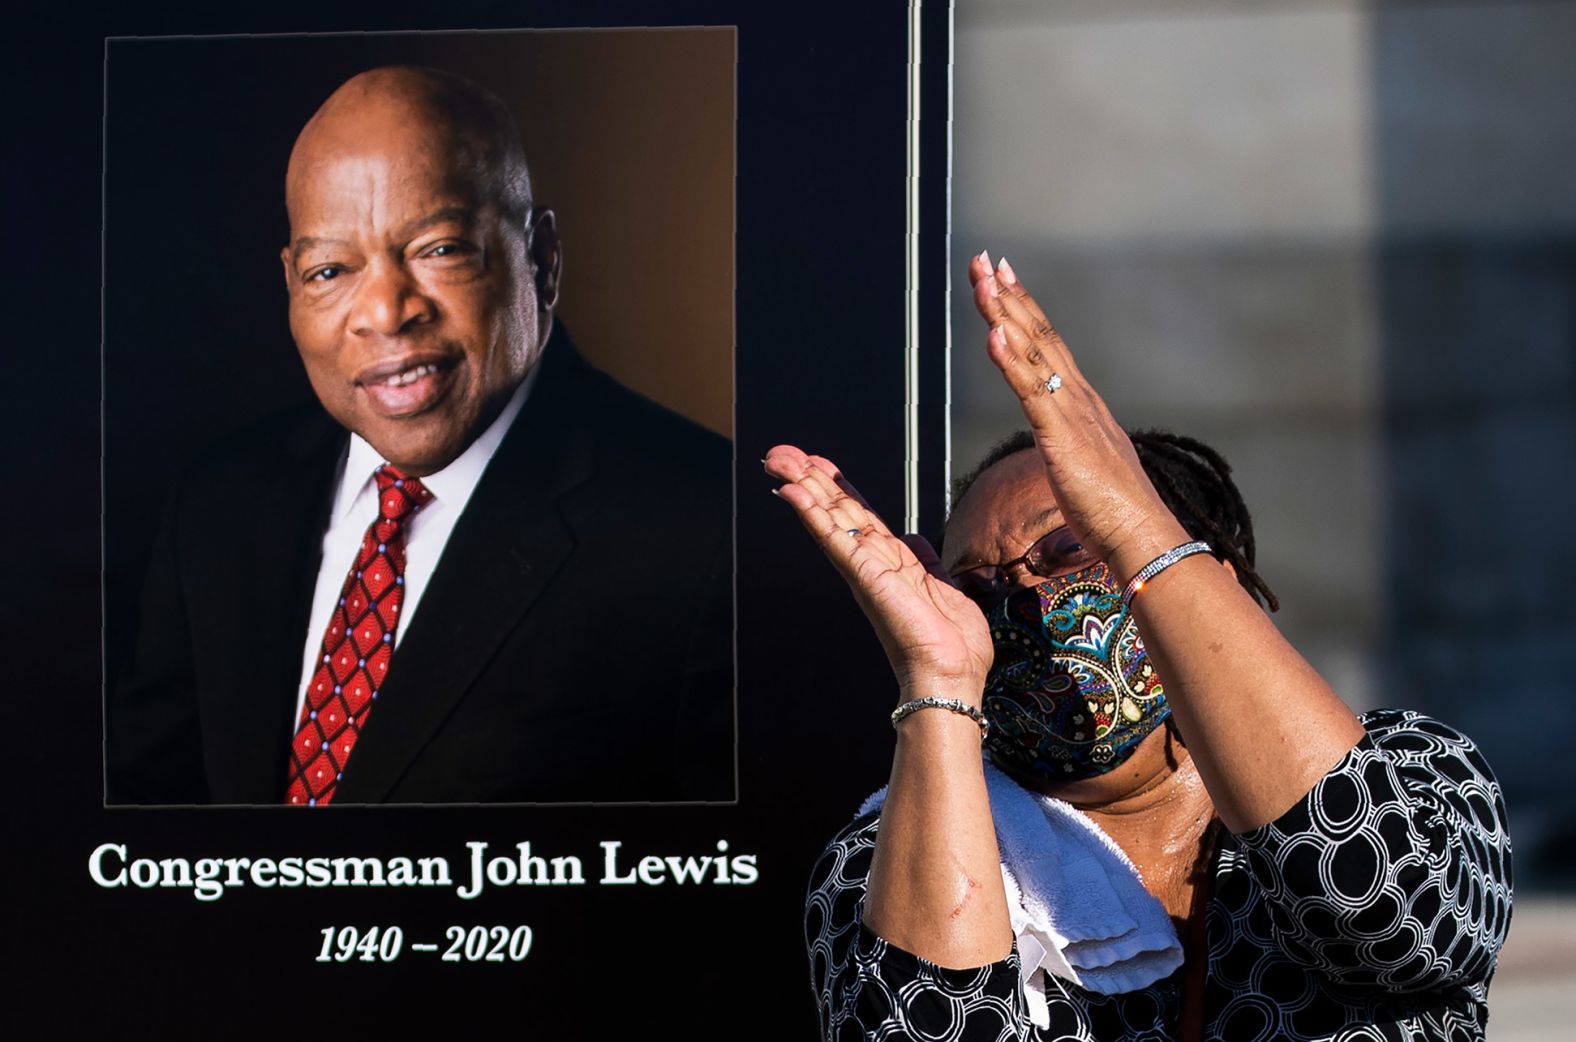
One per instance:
(949, 705)
(1143, 546)
(967, 689)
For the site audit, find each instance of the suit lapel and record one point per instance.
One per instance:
(278, 547)
(503, 551)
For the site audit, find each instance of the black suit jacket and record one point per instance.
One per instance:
(575, 642)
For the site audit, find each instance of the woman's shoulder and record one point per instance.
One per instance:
(844, 863)
(1421, 747)
(1406, 762)
(1404, 727)
(1394, 871)
(835, 903)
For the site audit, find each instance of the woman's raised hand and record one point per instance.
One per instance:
(1093, 471)
(935, 889)
(934, 636)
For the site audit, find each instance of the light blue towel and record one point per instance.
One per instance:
(1078, 905)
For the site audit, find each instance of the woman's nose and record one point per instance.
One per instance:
(1018, 576)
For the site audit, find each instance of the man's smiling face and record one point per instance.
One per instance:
(412, 298)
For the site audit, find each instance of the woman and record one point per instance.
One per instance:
(1183, 836)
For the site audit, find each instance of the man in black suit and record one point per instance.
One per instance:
(514, 574)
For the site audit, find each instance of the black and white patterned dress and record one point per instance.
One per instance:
(1373, 909)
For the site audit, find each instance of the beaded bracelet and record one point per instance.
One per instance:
(1160, 564)
(957, 706)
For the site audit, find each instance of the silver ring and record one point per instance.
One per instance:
(855, 532)
(1054, 384)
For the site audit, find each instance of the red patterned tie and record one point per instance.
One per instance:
(357, 647)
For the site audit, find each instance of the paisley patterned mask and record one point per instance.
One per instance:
(1072, 691)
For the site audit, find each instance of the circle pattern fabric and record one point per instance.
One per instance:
(1374, 909)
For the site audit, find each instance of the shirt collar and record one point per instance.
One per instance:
(452, 484)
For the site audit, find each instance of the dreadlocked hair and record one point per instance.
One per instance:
(1195, 484)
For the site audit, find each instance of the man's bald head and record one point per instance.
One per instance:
(421, 278)
(464, 121)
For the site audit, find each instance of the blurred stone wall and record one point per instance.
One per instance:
(1337, 240)
(1475, 146)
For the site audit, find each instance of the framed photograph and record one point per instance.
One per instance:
(431, 322)
(603, 790)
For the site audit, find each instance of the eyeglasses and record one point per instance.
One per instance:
(1055, 553)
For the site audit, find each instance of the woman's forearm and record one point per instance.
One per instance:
(935, 885)
(935, 877)
(1259, 722)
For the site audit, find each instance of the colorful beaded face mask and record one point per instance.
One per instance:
(1072, 691)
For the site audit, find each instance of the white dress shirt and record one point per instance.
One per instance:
(356, 506)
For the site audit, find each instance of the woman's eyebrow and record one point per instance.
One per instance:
(1034, 524)
(1037, 523)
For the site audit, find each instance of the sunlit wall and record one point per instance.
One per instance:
(1338, 241)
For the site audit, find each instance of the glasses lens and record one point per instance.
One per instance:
(1055, 553)
(1058, 553)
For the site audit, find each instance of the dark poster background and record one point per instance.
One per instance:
(819, 333)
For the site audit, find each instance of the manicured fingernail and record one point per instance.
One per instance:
(985, 256)
(1008, 276)
(776, 493)
(991, 285)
